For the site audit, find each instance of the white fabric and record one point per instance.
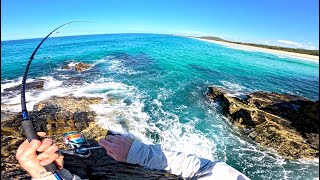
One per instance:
(184, 165)
(187, 166)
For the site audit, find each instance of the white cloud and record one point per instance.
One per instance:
(266, 42)
(288, 43)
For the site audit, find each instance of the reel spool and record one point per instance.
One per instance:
(77, 144)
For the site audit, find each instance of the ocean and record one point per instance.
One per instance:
(157, 84)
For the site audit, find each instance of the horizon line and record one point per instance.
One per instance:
(88, 35)
(179, 35)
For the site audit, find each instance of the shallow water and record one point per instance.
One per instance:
(157, 84)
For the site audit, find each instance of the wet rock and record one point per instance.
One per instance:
(59, 115)
(38, 84)
(78, 67)
(82, 66)
(289, 124)
(73, 81)
(8, 116)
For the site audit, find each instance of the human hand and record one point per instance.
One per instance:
(33, 163)
(117, 147)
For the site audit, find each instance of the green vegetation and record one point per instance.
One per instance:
(302, 51)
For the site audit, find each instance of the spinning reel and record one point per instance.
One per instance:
(77, 144)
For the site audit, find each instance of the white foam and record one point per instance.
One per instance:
(123, 111)
(14, 82)
(103, 60)
(72, 64)
(164, 93)
(185, 138)
(103, 88)
(118, 67)
(235, 89)
(314, 161)
(51, 83)
(291, 92)
(176, 136)
(52, 87)
(233, 86)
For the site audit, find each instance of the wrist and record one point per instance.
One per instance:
(39, 173)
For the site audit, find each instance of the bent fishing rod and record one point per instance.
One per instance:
(26, 122)
(79, 146)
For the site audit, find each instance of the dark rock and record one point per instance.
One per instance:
(8, 116)
(59, 115)
(66, 67)
(263, 99)
(73, 81)
(38, 84)
(289, 124)
(313, 140)
(215, 92)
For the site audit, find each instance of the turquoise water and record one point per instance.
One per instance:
(159, 82)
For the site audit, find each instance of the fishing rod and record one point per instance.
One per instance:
(26, 122)
(78, 146)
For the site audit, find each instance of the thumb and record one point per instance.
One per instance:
(31, 149)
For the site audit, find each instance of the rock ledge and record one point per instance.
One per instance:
(57, 116)
(286, 123)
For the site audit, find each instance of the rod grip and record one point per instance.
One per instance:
(31, 134)
(29, 130)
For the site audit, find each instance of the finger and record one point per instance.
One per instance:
(41, 134)
(48, 152)
(103, 143)
(109, 146)
(45, 144)
(111, 138)
(31, 149)
(49, 159)
(59, 161)
(21, 148)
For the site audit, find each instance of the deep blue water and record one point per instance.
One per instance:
(158, 84)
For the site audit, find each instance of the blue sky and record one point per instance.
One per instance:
(293, 23)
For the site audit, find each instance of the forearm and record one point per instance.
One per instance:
(153, 157)
(184, 165)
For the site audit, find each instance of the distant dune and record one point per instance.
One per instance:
(299, 53)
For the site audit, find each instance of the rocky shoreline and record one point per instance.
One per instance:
(286, 123)
(56, 116)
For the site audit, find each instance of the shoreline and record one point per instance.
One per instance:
(272, 51)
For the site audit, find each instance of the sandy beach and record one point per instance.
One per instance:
(278, 52)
